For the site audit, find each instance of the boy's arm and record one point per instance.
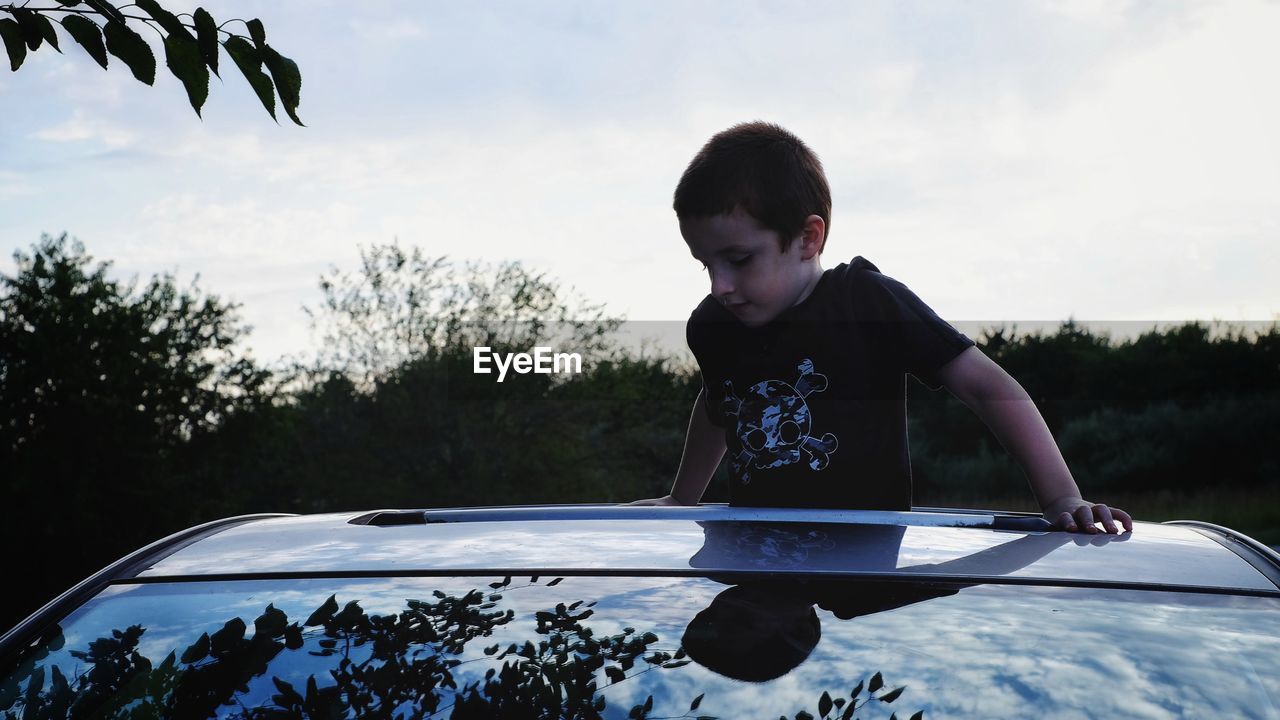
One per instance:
(1006, 408)
(703, 448)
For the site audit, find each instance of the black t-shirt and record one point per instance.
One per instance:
(814, 403)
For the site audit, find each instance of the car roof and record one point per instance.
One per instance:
(949, 546)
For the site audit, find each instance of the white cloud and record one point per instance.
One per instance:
(82, 127)
(13, 185)
(386, 30)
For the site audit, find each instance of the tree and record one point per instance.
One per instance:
(403, 306)
(190, 46)
(101, 384)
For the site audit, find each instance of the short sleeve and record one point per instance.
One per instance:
(699, 334)
(925, 341)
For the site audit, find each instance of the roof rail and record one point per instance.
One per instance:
(1262, 558)
(710, 512)
(126, 567)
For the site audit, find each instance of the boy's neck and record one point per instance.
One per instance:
(814, 276)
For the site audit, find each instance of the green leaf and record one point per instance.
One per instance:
(824, 704)
(50, 36)
(42, 26)
(85, 32)
(288, 80)
(207, 38)
(918, 716)
(183, 57)
(13, 43)
(876, 683)
(696, 702)
(892, 695)
(257, 32)
(129, 46)
(246, 58)
(198, 650)
(68, 3)
(106, 10)
(170, 22)
(30, 27)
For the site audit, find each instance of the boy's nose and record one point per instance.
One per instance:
(720, 284)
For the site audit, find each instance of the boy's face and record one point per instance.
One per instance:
(749, 275)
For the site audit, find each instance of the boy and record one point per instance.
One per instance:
(804, 370)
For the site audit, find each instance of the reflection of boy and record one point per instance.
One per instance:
(762, 629)
(754, 633)
(804, 370)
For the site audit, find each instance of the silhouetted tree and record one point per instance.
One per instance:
(101, 383)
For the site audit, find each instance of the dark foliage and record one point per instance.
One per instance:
(129, 413)
(190, 43)
(103, 385)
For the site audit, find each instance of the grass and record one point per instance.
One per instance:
(1252, 511)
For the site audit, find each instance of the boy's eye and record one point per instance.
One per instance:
(740, 260)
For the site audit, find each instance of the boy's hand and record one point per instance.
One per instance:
(664, 500)
(1074, 514)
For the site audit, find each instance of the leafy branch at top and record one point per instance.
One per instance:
(190, 48)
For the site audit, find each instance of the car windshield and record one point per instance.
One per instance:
(651, 647)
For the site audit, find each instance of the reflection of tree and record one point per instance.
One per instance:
(393, 665)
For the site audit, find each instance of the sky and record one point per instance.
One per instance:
(1017, 160)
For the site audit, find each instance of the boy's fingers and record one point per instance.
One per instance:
(1066, 522)
(1084, 515)
(1103, 514)
(1125, 519)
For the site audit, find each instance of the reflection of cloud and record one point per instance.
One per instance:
(990, 651)
(1094, 657)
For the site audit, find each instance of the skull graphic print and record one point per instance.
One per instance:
(774, 424)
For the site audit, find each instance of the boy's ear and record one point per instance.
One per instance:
(814, 237)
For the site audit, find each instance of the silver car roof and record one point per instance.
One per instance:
(708, 540)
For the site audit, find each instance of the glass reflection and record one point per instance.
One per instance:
(653, 647)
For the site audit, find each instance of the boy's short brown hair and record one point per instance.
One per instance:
(762, 168)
